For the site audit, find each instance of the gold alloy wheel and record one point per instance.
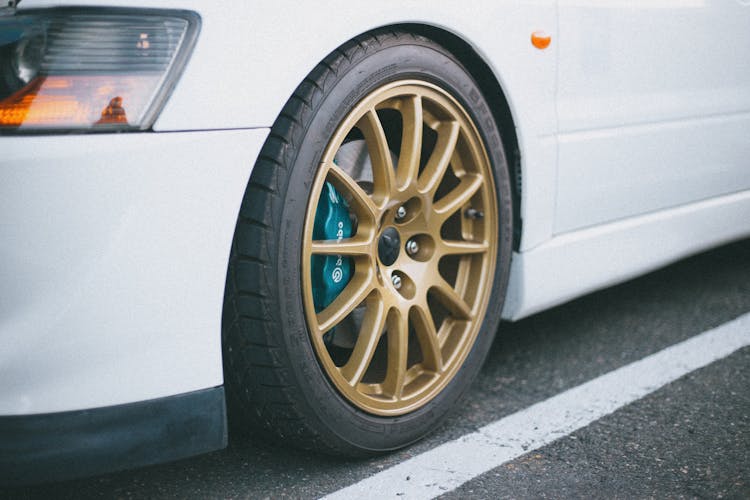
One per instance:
(415, 315)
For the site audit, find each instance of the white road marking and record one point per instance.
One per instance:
(451, 464)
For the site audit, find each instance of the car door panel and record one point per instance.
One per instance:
(653, 106)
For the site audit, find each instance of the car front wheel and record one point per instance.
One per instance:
(372, 251)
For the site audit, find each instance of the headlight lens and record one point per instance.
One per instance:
(90, 69)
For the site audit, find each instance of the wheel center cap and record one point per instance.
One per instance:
(389, 246)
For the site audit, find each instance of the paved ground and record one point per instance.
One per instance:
(689, 439)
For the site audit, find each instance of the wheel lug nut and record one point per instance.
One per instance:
(412, 247)
(400, 212)
(396, 280)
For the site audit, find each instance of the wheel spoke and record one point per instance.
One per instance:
(364, 206)
(380, 155)
(367, 341)
(450, 299)
(426, 332)
(350, 297)
(346, 246)
(398, 351)
(440, 158)
(458, 197)
(411, 142)
(453, 247)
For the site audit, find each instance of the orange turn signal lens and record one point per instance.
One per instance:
(540, 40)
(79, 101)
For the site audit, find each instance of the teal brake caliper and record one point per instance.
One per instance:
(330, 273)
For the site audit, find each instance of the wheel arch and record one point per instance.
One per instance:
(487, 80)
(493, 91)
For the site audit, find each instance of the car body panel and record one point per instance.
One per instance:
(579, 262)
(114, 259)
(141, 320)
(653, 106)
(247, 47)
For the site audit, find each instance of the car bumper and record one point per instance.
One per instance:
(113, 259)
(112, 264)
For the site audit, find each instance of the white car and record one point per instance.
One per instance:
(320, 212)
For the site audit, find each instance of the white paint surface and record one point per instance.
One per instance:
(451, 464)
(250, 56)
(113, 258)
(114, 248)
(653, 103)
(578, 262)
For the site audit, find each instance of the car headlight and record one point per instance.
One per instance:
(90, 69)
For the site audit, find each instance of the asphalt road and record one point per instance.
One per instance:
(690, 438)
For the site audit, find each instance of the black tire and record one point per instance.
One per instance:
(274, 380)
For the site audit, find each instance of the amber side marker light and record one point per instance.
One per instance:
(540, 40)
(89, 69)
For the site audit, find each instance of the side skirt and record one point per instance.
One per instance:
(579, 262)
